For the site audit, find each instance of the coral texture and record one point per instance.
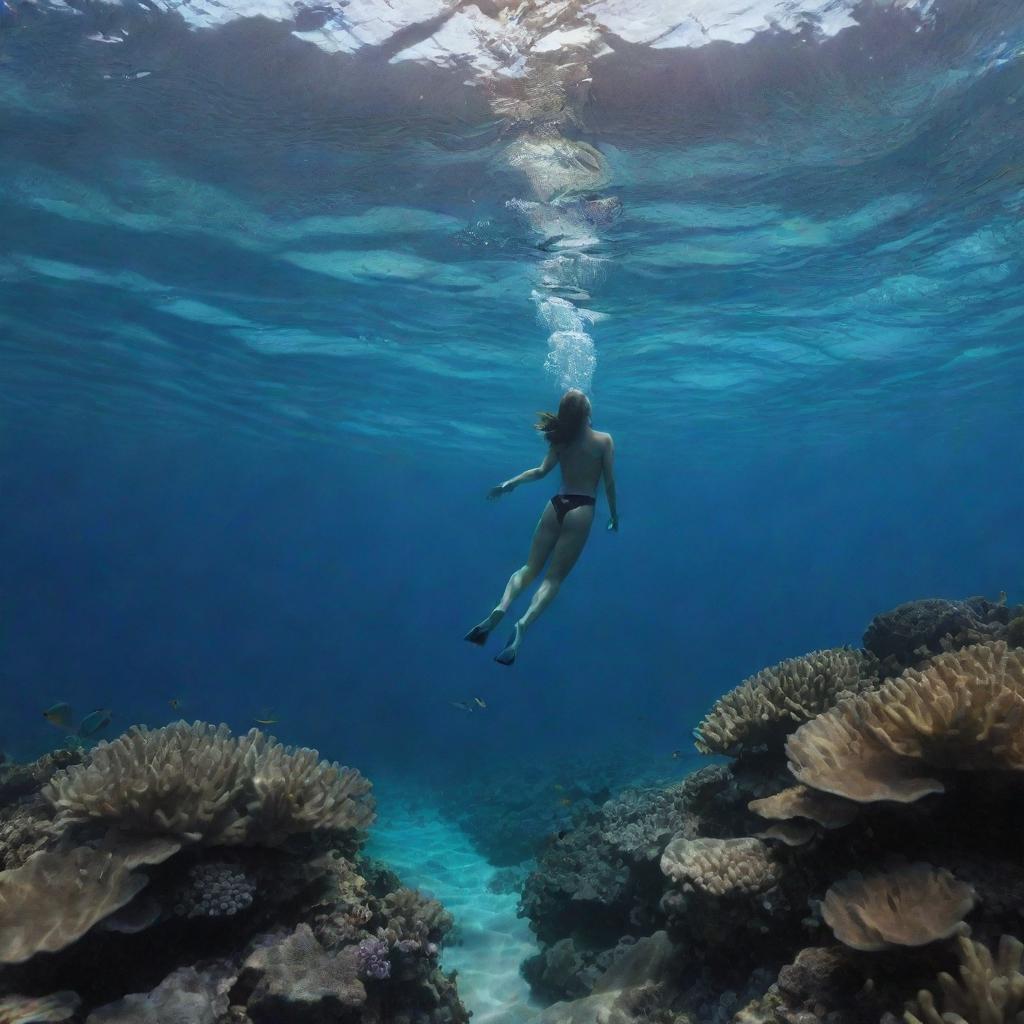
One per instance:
(187, 996)
(963, 711)
(200, 783)
(43, 1010)
(990, 991)
(909, 906)
(214, 890)
(916, 630)
(297, 973)
(770, 704)
(55, 898)
(800, 802)
(721, 866)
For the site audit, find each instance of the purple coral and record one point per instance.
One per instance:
(373, 959)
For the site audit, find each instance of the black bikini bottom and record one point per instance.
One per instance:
(565, 503)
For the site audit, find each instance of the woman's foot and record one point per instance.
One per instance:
(478, 634)
(508, 655)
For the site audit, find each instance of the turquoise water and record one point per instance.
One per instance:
(282, 287)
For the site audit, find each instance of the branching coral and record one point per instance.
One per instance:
(55, 898)
(182, 780)
(770, 704)
(911, 905)
(721, 866)
(964, 711)
(297, 792)
(198, 783)
(990, 991)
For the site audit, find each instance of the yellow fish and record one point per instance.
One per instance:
(565, 802)
(26, 1010)
(267, 717)
(60, 716)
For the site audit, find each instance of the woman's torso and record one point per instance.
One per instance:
(581, 462)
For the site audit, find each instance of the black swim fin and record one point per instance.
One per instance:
(508, 655)
(477, 635)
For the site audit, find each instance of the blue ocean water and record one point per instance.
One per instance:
(275, 314)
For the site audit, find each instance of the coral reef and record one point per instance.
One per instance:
(55, 898)
(222, 875)
(963, 711)
(892, 829)
(199, 783)
(721, 866)
(991, 991)
(770, 704)
(214, 889)
(915, 631)
(911, 905)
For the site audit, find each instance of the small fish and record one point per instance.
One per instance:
(174, 704)
(60, 716)
(558, 786)
(566, 801)
(462, 705)
(266, 717)
(676, 754)
(479, 703)
(1002, 599)
(26, 1010)
(94, 722)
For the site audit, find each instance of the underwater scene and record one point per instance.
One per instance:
(511, 511)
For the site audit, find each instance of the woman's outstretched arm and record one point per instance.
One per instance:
(549, 463)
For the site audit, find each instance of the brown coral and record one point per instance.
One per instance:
(964, 711)
(911, 905)
(770, 704)
(199, 783)
(800, 802)
(55, 898)
(297, 976)
(991, 991)
(721, 866)
(296, 792)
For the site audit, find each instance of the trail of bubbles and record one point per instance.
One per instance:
(568, 228)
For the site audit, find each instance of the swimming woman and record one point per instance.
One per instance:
(585, 456)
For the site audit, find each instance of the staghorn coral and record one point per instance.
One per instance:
(911, 905)
(55, 898)
(296, 792)
(990, 991)
(963, 711)
(721, 866)
(770, 704)
(801, 802)
(199, 783)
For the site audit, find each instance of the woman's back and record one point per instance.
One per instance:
(582, 461)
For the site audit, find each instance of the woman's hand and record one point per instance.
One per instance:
(613, 524)
(497, 492)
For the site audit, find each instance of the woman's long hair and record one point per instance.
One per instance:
(568, 423)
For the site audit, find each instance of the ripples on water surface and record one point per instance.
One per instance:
(284, 219)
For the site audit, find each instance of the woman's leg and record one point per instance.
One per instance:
(544, 538)
(568, 547)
